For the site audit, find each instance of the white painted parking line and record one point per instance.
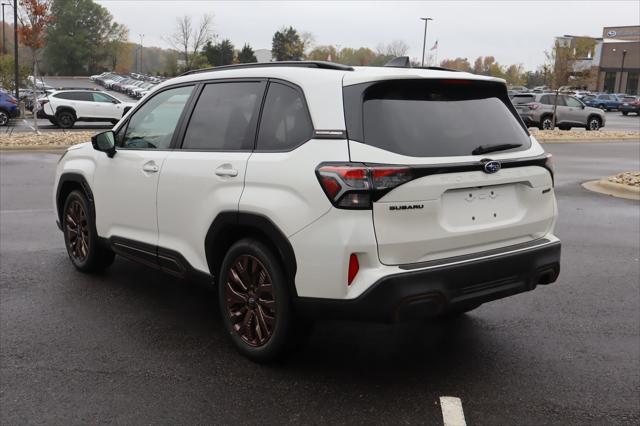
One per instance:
(452, 413)
(25, 122)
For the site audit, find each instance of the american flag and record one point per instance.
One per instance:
(435, 45)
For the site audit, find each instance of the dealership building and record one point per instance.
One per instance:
(618, 60)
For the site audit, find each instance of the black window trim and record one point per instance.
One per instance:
(189, 104)
(182, 127)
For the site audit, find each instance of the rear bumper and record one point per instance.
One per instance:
(445, 285)
(629, 108)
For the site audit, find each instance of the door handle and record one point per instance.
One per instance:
(226, 170)
(150, 167)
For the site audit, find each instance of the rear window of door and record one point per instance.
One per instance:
(436, 118)
(285, 122)
(75, 96)
(225, 117)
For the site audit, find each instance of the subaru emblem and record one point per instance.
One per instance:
(492, 166)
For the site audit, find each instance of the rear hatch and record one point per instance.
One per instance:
(452, 167)
(522, 102)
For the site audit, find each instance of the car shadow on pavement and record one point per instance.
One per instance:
(362, 350)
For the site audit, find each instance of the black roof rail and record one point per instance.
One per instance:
(93, 89)
(302, 64)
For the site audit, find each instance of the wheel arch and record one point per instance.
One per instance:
(229, 227)
(69, 182)
(64, 108)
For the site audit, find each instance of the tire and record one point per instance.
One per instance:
(546, 122)
(65, 119)
(80, 236)
(269, 332)
(625, 112)
(593, 123)
(4, 118)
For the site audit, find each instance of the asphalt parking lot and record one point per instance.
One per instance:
(134, 346)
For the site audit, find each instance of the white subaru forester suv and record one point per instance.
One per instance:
(312, 190)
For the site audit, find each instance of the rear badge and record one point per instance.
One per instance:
(492, 166)
(407, 207)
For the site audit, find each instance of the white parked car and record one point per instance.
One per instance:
(314, 190)
(64, 107)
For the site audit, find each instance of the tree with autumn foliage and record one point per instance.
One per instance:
(35, 16)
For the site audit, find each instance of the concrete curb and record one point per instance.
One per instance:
(618, 190)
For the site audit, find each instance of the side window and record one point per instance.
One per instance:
(225, 117)
(152, 126)
(285, 121)
(551, 100)
(573, 102)
(83, 96)
(101, 97)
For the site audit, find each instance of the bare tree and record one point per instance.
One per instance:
(394, 49)
(189, 38)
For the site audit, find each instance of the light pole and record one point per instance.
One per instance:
(141, 69)
(16, 69)
(624, 53)
(4, 39)
(424, 40)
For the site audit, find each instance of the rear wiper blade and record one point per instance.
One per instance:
(483, 149)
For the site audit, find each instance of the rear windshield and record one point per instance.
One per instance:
(522, 99)
(436, 118)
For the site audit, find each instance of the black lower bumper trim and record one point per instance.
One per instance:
(433, 291)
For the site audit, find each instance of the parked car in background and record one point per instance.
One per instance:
(536, 110)
(64, 107)
(581, 93)
(520, 89)
(540, 89)
(604, 101)
(8, 108)
(630, 104)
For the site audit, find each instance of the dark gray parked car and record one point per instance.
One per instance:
(536, 110)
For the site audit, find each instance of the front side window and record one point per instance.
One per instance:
(225, 117)
(152, 126)
(285, 122)
(101, 97)
(572, 102)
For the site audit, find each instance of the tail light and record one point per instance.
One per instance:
(43, 102)
(533, 106)
(548, 164)
(12, 100)
(352, 186)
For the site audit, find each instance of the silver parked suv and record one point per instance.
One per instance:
(536, 110)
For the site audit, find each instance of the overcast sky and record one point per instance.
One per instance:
(512, 31)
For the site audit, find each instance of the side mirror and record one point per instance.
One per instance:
(105, 142)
